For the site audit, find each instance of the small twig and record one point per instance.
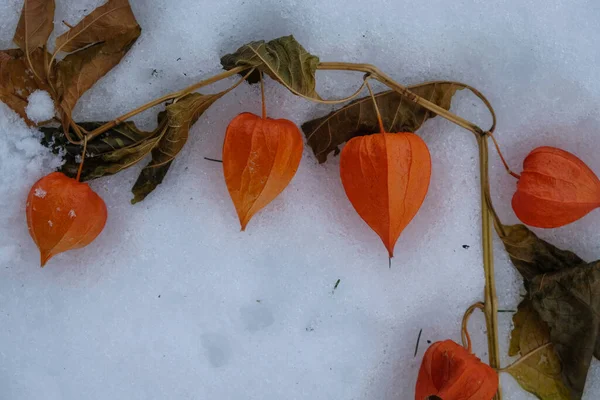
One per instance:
(418, 340)
(67, 24)
(507, 311)
(262, 96)
(213, 159)
(336, 284)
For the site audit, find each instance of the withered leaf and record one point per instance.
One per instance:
(357, 118)
(102, 38)
(180, 117)
(17, 81)
(79, 71)
(540, 372)
(283, 59)
(110, 21)
(109, 153)
(565, 294)
(35, 24)
(533, 256)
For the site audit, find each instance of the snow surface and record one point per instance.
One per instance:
(40, 106)
(173, 301)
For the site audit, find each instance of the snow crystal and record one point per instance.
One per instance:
(39, 192)
(72, 214)
(50, 223)
(40, 106)
(163, 304)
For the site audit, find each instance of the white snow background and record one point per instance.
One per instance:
(172, 301)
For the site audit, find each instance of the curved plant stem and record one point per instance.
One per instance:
(510, 172)
(82, 159)
(167, 97)
(466, 338)
(389, 82)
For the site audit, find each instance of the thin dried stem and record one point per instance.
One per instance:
(491, 299)
(466, 338)
(379, 120)
(82, 158)
(389, 82)
(262, 96)
(167, 97)
(510, 172)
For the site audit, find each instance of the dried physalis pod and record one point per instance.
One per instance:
(450, 372)
(260, 157)
(555, 189)
(63, 214)
(386, 177)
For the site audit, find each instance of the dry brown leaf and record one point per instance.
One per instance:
(358, 118)
(35, 25)
(17, 81)
(539, 372)
(110, 21)
(79, 71)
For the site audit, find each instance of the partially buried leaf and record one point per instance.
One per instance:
(565, 293)
(540, 371)
(17, 81)
(180, 117)
(109, 153)
(35, 24)
(283, 59)
(359, 117)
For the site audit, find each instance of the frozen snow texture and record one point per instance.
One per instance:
(40, 106)
(164, 304)
(23, 160)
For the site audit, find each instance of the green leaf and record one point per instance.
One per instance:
(540, 371)
(565, 294)
(180, 117)
(358, 118)
(35, 24)
(283, 59)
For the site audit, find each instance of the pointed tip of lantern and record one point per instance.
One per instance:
(44, 257)
(390, 262)
(244, 223)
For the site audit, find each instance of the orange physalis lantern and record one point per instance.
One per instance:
(450, 372)
(63, 214)
(555, 189)
(260, 158)
(386, 177)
